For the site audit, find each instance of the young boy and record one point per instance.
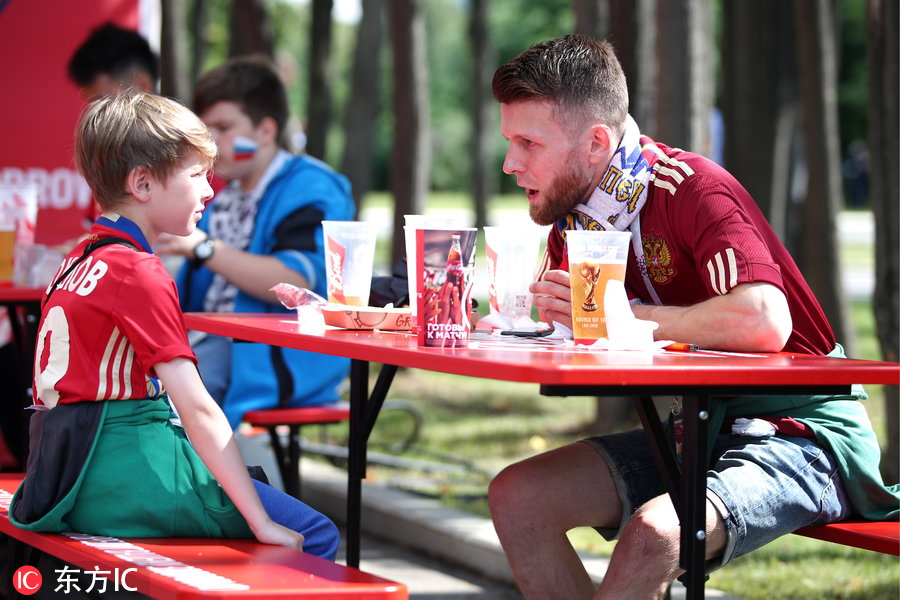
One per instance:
(105, 458)
(264, 228)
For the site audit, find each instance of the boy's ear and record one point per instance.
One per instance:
(137, 183)
(268, 130)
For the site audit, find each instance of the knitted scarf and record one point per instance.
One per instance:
(622, 191)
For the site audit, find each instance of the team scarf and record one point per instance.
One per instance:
(622, 192)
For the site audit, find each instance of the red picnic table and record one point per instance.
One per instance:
(564, 371)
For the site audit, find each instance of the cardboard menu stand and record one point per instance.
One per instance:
(445, 266)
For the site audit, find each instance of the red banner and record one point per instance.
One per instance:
(39, 105)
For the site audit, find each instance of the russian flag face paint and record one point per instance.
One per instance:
(244, 148)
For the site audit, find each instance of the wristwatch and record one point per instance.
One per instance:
(204, 250)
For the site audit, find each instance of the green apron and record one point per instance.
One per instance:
(140, 477)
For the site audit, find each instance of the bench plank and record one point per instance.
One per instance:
(202, 568)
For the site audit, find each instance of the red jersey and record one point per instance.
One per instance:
(106, 325)
(702, 234)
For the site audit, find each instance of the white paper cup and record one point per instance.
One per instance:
(349, 255)
(511, 260)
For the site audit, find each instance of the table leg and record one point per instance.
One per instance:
(686, 485)
(659, 445)
(364, 409)
(693, 492)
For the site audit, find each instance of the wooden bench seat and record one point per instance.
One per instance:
(878, 536)
(191, 568)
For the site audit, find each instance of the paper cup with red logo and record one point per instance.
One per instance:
(349, 254)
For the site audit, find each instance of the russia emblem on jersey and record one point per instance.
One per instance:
(657, 258)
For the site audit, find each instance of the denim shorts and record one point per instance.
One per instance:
(763, 488)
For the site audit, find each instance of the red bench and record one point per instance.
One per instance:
(878, 536)
(287, 455)
(191, 568)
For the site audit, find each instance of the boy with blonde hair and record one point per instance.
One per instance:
(112, 347)
(263, 228)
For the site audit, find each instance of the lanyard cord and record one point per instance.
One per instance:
(87, 250)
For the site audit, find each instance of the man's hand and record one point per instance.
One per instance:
(179, 245)
(553, 297)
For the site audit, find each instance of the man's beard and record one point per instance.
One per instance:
(566, 191)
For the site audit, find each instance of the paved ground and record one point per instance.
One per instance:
(428, 578)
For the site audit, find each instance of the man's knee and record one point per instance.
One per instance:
(655, 523)
(509, 488)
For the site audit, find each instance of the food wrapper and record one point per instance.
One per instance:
(308, 304)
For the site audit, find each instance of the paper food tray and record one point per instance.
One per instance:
(368, 317)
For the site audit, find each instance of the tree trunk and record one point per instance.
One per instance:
(173, 70)
(319, 111)
(592, 17)
(685, 73)
(759, 106)
(884, 157)
(250, 29)
(817, 66)
(199, 21)
(364, 104)
(410, 155)
(633, 33)
(483, 129)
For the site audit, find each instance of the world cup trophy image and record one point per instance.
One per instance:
(590, 274)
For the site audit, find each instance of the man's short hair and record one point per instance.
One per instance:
(113, 51)
(579, 75)
(119, 133)
(252, 83)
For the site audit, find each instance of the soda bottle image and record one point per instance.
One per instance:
(455, 274)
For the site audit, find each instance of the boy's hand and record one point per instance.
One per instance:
(553, 297)
(279, 535)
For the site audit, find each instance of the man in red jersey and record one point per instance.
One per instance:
(708, 268)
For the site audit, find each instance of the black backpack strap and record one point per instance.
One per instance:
(87, 250)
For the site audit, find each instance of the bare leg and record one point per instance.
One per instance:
(535, 502)
(649, 546)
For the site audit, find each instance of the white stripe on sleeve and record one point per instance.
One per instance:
(732, 268)
(712, 276)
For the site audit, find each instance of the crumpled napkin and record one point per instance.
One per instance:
(308, 304)
(624, 330)
(758, 428)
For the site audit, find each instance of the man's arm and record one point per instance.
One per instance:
(255, 274)
(212, 438)
(752, 317)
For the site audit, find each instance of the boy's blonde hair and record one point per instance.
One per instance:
(119, 133)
